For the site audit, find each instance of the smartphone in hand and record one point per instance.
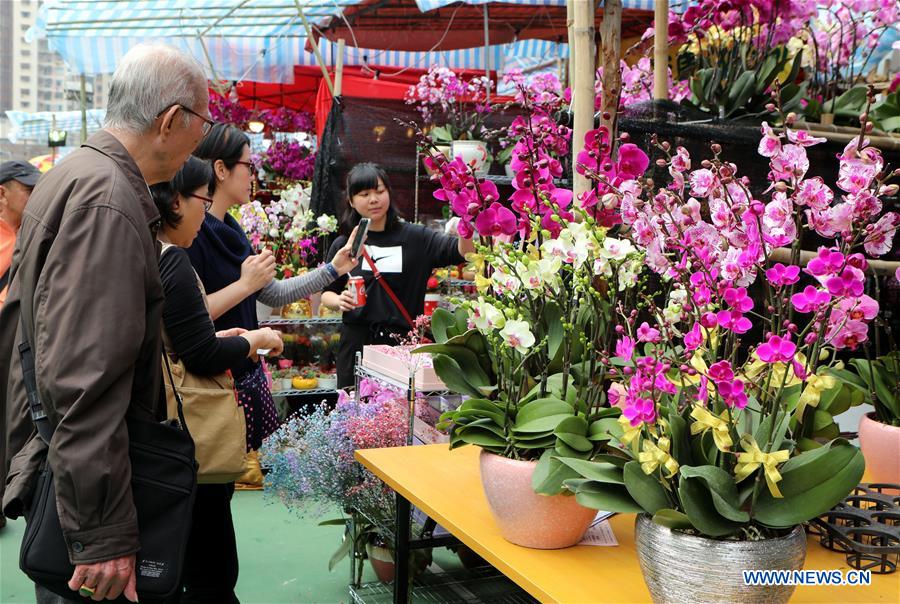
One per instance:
(361, 231)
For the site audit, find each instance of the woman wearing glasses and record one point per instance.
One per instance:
(222, 254)
(211, 565)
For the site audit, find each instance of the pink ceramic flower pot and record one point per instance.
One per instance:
(880, 445)
(524, 517)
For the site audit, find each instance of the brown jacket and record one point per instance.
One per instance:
(86, 278)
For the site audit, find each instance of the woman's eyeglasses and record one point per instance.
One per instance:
(207, 202)
(207, 123)
(249, 165)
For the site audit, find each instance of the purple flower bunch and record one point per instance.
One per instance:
(285, 119)
(227, 111)
(290, 160)
(595, 162)
(775, 20)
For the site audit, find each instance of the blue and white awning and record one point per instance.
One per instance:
(257, 40)
(427, 5)
(35, 127)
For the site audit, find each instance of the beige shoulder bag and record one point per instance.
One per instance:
(212, 413)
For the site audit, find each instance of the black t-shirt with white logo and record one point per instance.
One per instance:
(405, 256)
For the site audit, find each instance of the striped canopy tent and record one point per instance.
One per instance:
(237, 40)
(416, 25)
(35, 127)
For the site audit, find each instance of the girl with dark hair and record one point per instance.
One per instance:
(221, 253)
(405, 254)
(211, 565)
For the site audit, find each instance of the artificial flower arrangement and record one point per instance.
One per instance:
(313, 472)
(442, 98)
(286, 227)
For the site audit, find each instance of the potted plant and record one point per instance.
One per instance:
(307, 379)
(444, 99)
(525, 351)
(879, 431)
(707, 441)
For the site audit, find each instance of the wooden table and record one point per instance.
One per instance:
(446, 485)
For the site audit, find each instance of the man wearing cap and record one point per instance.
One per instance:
(17, 179)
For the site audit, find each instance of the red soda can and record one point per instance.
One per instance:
(358, 286)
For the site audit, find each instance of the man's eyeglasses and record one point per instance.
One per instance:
(207, 123)
(207, 202)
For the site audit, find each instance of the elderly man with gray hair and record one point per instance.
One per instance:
(85, 281)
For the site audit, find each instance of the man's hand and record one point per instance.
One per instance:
(108, 580)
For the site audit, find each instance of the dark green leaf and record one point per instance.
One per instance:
(812, 483)
(550, 473)
(700, 509)
(645, 489)
(443, 323)
(572, 431)
(672, 519)
(452, 375)
(595, 471)
(603, 496)
(722, 489)
(342, 552)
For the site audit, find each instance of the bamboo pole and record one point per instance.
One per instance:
(312, 41)
(487, 49)
(611, 40)
(570, 39)
(339, 68)
(582, 56)
(661, 50)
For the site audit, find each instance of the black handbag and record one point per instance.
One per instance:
(163, 485)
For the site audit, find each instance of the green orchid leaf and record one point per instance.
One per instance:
(722, 490)
(550, 474)
(603, 496)
(697, 501)
(547, 423)
(572, 431)
(645, 489)
(342, 552)
(543, 407)
(555, 332)
(812, 483)
(467, 360)
(443, 325)
(672, 519)
(452, 375)
(595, 471)
(604, 429)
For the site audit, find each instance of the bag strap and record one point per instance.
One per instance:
(387, 288)
(4, 279)
(36, 406)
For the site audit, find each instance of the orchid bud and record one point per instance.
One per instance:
(613, 371)
(869, 127)
(706, 164)
(790, 118)
(666, 146)
(661, 163)
(781, 186)
(864, 118)
(620, 329)
(758, 208)
(716, 148)
(627, 370)
(770, 107)
(810, 338)
(889, 190)
(625, 137)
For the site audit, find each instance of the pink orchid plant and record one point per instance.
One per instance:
(706, 411)
(453, 106)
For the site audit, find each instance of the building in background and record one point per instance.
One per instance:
(35, 79)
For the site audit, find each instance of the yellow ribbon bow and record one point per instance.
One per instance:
(707, 421)
(812, 393)
(754, 458)
(656, 455)
(629, 433)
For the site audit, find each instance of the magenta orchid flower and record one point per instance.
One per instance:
(645, 333)
(847, 334)
(625, 348)
(826, 262)
(721, 370)
(810, 299)
(733, 320)
(851, 282)
(781, 275)
(496, 220)
(776, 350)
(736, 298)
(693, 338)
(640, 411)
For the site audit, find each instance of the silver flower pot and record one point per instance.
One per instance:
(682, 568)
